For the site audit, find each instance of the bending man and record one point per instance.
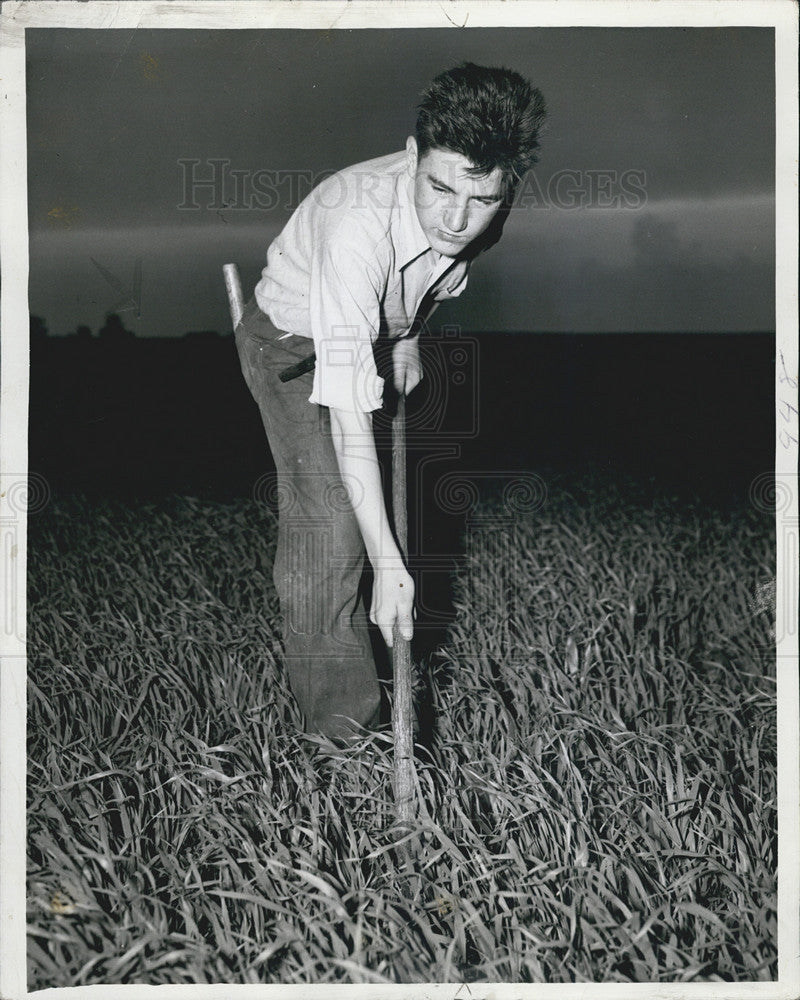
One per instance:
(366, 256)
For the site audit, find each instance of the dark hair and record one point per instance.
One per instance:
(492, 116)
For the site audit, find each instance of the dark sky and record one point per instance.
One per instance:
(681, 119)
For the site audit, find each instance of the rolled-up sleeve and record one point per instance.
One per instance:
(345, 297)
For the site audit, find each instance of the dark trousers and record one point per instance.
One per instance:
(320, 555)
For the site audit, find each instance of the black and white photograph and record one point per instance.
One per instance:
(399, 508)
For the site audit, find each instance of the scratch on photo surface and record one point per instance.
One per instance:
(123, 53)
(455, 23)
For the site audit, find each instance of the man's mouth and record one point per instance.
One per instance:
(450, 238)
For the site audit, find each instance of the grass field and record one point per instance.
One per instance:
(597, 800)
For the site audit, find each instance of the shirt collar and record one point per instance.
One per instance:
(407, 235)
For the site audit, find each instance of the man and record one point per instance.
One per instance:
(370, 251)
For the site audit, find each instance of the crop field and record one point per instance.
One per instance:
(596, 792)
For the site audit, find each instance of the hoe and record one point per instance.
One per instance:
(401, 650)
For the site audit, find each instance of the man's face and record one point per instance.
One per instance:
(453, 207)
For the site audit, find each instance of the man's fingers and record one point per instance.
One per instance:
(377, 617)
(393, 603)
(387, 631)
(405, 623)
(406, 626)
(406, 629)
(406, 379)
(399, 372)
(413, 379)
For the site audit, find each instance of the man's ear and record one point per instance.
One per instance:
(412, 158)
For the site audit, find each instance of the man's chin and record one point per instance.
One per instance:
(449, 248)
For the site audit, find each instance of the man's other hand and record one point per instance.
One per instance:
(393, 601)
(406, 365)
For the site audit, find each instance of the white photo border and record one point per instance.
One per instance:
(15, 18)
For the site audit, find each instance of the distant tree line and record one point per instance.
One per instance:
(113, 331)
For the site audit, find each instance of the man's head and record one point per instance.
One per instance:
(476, 136)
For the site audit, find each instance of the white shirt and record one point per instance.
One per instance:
(353, 262)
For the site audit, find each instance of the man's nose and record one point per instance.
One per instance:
(456, 218)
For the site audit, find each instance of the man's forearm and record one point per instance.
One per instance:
(354, 444)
